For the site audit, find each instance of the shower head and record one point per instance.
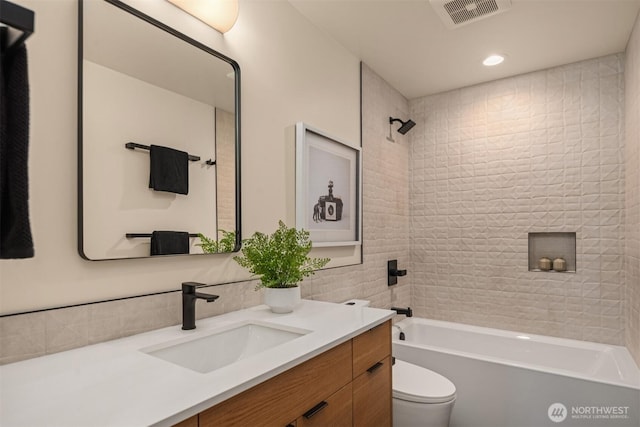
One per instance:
(406, 126)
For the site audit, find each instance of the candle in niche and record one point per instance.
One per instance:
(559, 264)
(544, 264)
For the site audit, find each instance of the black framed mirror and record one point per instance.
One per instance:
(158, 138)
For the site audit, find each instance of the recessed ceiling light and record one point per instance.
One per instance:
(492, 60)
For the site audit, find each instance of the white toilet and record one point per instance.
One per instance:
(421, 397)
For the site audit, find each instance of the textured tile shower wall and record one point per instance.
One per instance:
(225, 167)
(632, 193)
(490, 163)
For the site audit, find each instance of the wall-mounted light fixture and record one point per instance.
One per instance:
(218, 14)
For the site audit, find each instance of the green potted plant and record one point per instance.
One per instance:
(280, 260)
(213, 246)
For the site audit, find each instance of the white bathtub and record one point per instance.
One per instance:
(510, 379)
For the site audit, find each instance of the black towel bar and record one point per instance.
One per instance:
(16, 17)
(148, 235)
(133, 145)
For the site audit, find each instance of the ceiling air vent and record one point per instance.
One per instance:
(455, 13)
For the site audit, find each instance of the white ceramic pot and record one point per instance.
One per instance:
(282, 300)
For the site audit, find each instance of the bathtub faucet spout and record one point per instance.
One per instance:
(401, 335)
(406, 311)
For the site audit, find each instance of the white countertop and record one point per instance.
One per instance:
(115, 384)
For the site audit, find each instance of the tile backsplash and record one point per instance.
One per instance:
(35, 334)
(540, 152)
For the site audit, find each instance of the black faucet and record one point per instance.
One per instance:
(406, 311)
(189, 297)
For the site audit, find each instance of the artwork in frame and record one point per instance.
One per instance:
(328, 188)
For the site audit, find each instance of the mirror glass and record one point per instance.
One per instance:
(144, 84)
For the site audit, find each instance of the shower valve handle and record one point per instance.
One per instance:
(393, 272)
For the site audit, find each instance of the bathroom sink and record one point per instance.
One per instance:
(208, 352)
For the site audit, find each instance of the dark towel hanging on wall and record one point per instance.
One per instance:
(15, 229)
(169, 170)
(169, 242)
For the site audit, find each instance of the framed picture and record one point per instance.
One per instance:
(328, 188)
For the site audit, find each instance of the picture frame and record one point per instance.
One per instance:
(328, 188)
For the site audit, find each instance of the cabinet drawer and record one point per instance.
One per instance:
(334, 411)
(372, 396)
(371, 347)
(283, 398)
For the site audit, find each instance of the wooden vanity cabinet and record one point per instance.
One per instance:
(348, 385)
(335, 411)
(287, 396)
(372, 385)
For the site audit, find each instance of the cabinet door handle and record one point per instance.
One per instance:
(319, 407)
(375, 367)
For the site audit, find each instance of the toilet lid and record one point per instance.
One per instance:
(414, 383)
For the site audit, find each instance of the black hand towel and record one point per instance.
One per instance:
(15, 230)
(169, 170)
(169, 242)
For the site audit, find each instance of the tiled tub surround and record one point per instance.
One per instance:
(385, 231)
(116, 384)
(632, 193)
(540, 152)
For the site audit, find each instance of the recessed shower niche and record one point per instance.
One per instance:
(547, 251)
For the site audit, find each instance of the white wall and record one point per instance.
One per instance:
(290, 72)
